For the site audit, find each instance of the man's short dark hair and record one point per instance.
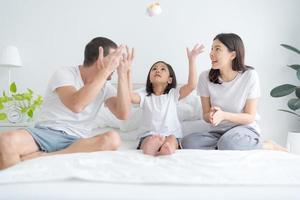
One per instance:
(91, 51)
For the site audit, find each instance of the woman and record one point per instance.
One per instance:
(229, 93)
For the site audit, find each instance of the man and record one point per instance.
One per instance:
(71, 104)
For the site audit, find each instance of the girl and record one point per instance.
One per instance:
(160, 125)
(229, 93)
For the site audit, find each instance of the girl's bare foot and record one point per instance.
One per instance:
(152, 144)
(270, 145)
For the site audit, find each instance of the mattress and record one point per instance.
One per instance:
(129, 174)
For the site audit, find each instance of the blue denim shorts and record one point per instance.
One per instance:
(50, 140)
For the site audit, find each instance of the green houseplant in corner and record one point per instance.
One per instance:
(293, 140)
(18, 107)
(286, 89)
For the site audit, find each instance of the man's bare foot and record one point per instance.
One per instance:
(166, 149)
(152, 144)
(270, 145)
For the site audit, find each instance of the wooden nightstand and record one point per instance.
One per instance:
(10, 126)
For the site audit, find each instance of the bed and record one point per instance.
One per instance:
(129, 174)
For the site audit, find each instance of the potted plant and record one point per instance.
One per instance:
(18, 107)
(293, 140)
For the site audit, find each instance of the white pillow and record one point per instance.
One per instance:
(189, 108)
(106, 118)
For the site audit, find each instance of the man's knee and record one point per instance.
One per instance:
(238, 141)
(8, 142)
(112, 138)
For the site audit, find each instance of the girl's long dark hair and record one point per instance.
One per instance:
(173, 84)
(234, 43)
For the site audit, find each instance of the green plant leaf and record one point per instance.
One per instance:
(13, 87)
(1, 106)
(27, 96)
(294, 104)
(3, 99)
(282, 90)
(18, 97)
(295, 67)
(3, 116)
(291, 48)
(30, 91)
(298, 74)
(23, 109)
(298, 92)
(30, 113)
(289, 112)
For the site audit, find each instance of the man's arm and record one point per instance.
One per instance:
(77, 100)
(120, 105)
(135, 98)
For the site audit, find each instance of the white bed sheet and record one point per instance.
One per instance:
(185, 167)
(77, 189)
(128, 174)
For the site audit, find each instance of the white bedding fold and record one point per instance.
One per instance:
(259, 167)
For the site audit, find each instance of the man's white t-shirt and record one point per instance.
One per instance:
(231, 96)
(159, 114)
(57, 116)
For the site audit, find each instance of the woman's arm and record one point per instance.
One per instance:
(247, 117)
(207, 111)
(120, 105)
(192, 78)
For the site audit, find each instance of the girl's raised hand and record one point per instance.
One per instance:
(192, 55)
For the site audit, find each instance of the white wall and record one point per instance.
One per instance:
(53, 33)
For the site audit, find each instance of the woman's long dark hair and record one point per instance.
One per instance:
(234, 43)
(173, 84)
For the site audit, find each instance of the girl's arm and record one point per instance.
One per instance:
(192, 79)
(247, 117)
